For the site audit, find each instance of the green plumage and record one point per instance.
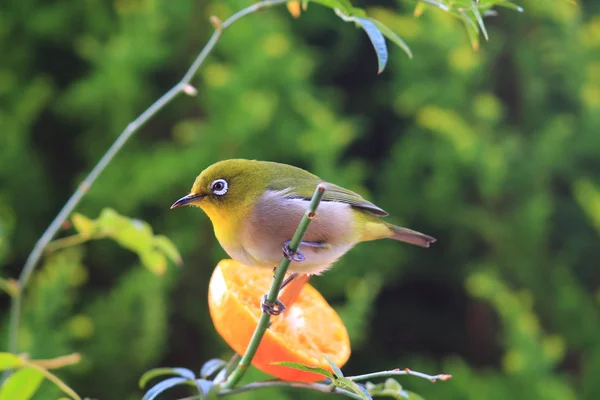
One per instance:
(257, 206)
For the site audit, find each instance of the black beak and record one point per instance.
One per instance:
(185, 200)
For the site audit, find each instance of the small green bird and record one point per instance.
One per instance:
(256, 206)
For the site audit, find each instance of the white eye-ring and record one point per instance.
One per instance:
(219, 187)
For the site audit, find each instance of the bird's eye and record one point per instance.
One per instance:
(219, 187)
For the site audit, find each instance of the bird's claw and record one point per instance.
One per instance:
(292, 255)
(275, 308)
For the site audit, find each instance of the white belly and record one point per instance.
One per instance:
(274, 221)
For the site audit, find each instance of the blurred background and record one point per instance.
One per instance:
(495, 152)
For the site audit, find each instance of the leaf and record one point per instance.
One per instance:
(413, 396)
(153, 373)
(341, 5)
(9, 360)
(168, 248)
(304, 368)
(154, 261)
(471, 30)
(21, 385)
(508, 4)
(82, 224)
(336, 370)
(377, 40)
(10, 286)
(160, 387)
(390, 388)
(206, 389)
(388, 33)
(211, 367)
(347, 384)
(479, 20)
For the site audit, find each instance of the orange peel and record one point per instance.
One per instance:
(303, 333)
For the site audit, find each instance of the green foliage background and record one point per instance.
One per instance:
(495, 152)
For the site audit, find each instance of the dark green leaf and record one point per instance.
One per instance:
(211, 367)
(304, 368)
(377, 40)
(153, 373)
(22, 385)
(165, 385)
(388, 33)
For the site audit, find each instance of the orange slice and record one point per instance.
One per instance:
(304, 332)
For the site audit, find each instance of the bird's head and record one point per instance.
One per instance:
(228, 186)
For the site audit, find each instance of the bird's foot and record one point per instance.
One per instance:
(292, 255)
(275, 308)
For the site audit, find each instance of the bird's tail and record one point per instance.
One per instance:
(410, 236)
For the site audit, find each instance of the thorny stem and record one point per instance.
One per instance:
(182, 86)
(263, 322)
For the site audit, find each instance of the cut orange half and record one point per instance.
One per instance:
(303, 333)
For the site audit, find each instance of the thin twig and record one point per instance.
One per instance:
(263, 322)
(182, 86)
(56, 380)
(394, 372)
(319, 387)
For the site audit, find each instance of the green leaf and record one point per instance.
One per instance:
(471, 30)
(390, 388)
(347, 384)
(9, 360)
(341, 5)
(413, 396)
(10, 286)
(377, 40)
(154, 261)
(508, 4)
(21, 385)
(436, 4)
(168, 248)
(83, 224)
(388, 33)
(153, 373)
(304, 368)
(336, 370)
(479, 20)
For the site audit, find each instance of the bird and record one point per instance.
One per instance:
(255, 207)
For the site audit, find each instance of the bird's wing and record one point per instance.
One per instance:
(304, 188)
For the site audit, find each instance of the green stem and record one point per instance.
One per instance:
(395, 372)
(263, 322)
(182, 86)
(319, 387)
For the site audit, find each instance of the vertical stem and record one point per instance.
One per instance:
(133, 127)
(263, 322)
